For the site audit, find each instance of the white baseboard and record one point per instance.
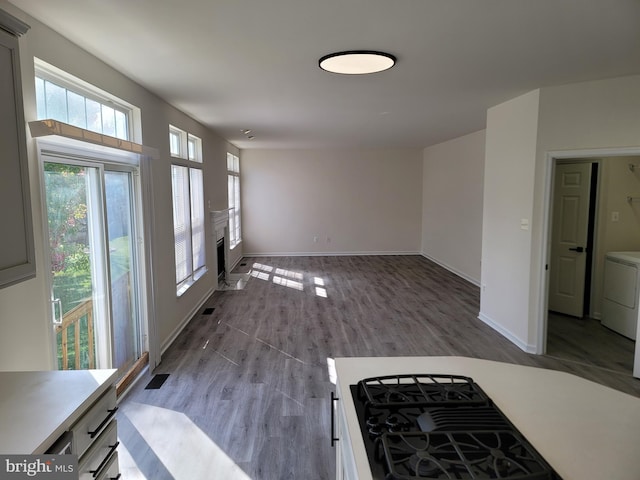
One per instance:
(454, 270)
(176, 331)
(507, 334)
(323, 254)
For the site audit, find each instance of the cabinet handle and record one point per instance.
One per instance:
(112, 412)
(58, 302)
(112, 448)
(333, 421)
(115, 478)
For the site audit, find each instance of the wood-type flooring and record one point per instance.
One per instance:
(248, 393)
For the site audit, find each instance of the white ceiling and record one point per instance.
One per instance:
(253, 64)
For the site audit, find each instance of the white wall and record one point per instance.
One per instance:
(577, 119)
(25, 342)
(592, 116)
(508, 201)
(353, 201)
(452, 195)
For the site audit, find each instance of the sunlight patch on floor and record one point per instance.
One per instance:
(319, 284)
(286, 282)
(258, 270)
(265, 268)
(185, 451)
(288, 273)
(287, 278)
(127, 465)
(259, 274)
(331, 367)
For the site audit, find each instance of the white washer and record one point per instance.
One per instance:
(621, 297)
(621, 292)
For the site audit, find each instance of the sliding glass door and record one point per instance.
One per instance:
(94, 267)
(125, 303)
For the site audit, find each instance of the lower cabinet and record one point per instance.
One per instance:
(345, 462)
(95, 439)
(111, 470)
(101, 459)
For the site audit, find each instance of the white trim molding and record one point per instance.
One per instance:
(453, 270)
(507, 334)
(324, 254)
(185, 321)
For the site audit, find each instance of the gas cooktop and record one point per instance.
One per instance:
(433, 426)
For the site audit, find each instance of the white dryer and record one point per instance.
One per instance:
(621, 292)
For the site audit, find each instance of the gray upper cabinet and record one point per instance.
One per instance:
(17, 255)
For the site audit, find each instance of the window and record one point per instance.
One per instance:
(175, 141)
(62, 97)
(194, 148)
(188, 208)
(184, 145)
(233, 178)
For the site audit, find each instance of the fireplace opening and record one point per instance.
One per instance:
(221, 264)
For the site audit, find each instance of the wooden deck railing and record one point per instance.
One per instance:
(73, 318)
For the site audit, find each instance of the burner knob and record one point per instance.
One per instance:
(392, 421)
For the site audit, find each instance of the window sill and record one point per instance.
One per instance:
(184, 286)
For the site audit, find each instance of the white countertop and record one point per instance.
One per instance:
(37, 407)
(584, 430)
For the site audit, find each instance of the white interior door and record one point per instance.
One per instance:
(572, 188)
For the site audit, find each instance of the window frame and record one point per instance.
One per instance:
(234, 200)
(62, 79)
(182, 158)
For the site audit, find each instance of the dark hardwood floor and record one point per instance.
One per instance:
(587, 342)
(249, 386)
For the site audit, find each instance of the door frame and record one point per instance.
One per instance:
(547, 210)
(84, 153)
(100, 271)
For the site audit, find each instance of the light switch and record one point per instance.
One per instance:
(524, 224)
(615, 216)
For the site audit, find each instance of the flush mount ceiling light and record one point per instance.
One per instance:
(357, 62)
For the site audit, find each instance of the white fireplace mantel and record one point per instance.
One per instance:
(219, 219)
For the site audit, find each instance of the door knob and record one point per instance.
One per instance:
(577, 249)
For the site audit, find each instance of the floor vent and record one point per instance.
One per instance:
(157, 381)
(208, 311)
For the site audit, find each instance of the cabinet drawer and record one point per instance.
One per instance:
(111, 470)
(100, 456)
(87, 429)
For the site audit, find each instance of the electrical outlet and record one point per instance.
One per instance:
(315, 239)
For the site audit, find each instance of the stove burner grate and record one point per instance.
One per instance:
(421, 390)
(426, 426)
(462, 455)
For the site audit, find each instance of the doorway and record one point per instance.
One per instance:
(91, 211)
(615, 227)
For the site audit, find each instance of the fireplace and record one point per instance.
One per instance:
(220, 220)
(220, 249)
(226, 279)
